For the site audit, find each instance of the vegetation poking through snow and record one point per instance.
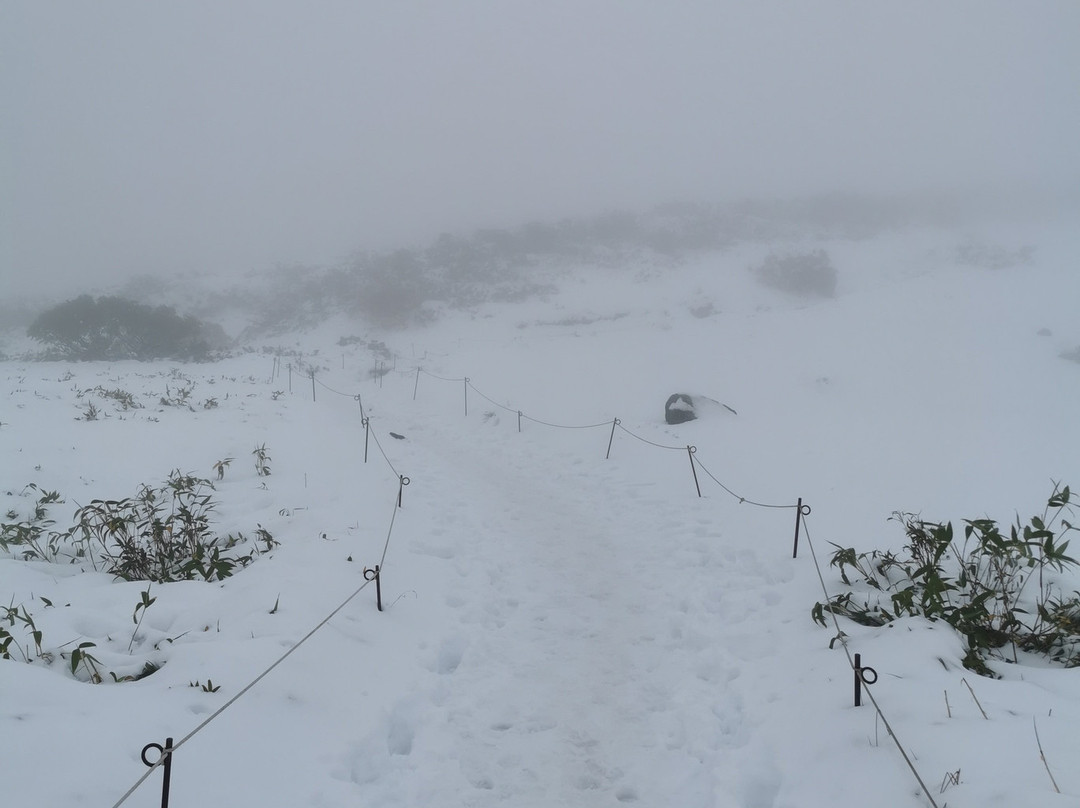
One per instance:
(161, 534)
(997, 588)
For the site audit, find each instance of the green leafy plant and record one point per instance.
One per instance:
(161, 534)
(209, 687)
(13, 615)
(90, 665)
(262, 460)
(145, 602)
(33, 535)
(221, 465)
(179, 396)
(1001, 589)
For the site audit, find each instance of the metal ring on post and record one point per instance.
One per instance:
(805, 510)
(872, 680)
(147, 748)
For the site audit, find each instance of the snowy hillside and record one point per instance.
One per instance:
(566, 620)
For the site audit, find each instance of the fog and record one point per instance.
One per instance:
(226, 137)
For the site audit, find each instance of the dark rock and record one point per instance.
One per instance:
(679, 409)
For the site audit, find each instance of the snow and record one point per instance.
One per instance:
(563, 627)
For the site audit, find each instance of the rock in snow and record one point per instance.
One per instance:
(683, 407)
(679, 409)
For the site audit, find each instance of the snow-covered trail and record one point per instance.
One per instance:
(585, 635)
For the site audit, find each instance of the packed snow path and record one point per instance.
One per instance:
(563, 665)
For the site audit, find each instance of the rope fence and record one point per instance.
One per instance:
(373, 575)
(171, 748)
(802, 511)
(859, 673)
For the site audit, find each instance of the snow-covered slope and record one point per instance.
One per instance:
(567, 622)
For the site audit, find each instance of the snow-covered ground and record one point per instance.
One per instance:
(564, 624)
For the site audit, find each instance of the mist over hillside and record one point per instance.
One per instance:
(414, 285)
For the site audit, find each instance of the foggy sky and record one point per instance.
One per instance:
(227, 136)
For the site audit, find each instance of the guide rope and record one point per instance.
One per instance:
(645, 440)
(740, 498)
(160, 761)
(866, 685)
(332, 390)
(440, 378)
(491, 400)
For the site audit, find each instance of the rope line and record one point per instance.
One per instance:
(644, 440)
(440, 378)
(740, 498)
(382, 450)
(564, 426)
(332, 390)
(493, 401)
(386, 546)
(160, 761)
(866, 687)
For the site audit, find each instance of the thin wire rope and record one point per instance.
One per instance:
(440, 378)
(740, 498)
(869, 691)
(493, 401)
(160, 761)
(389, 531)
(644, 440)
(381, 449)
(564, 426)
(332, 390)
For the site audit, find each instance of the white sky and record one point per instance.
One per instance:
(209, 136)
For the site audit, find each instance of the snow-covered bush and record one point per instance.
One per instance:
(809, 274)
(111, 328)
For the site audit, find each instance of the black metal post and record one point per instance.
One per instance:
(863, 676)
(402, 482)
(312, 385)
(374, 575)
(614, 423)
(165, 758)
(367, 432)
(858, 679)
(690, 451)
(800, 511)
(466, 396)
(519, 420)
(416, 384)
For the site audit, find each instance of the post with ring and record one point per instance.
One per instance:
(863, 675)
(373, 575)
(402, 482)
(690, 451)
(165, 761)
(800, 511)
